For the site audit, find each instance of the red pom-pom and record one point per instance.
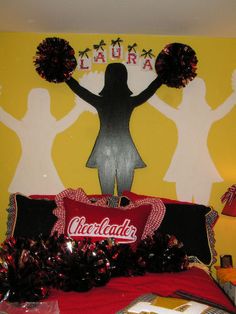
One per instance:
(176, 65)
(55, 60)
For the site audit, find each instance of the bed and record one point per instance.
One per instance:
(125, 224)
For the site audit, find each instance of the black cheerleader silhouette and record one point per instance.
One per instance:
(114, 153)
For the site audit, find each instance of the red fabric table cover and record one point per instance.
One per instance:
(119, 292)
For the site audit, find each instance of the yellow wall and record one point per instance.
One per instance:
(155, 140)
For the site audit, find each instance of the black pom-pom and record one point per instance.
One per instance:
(163, 253)
(22, 273)
(29, 268)
(55, 60)
(176, 65)
(99, 266)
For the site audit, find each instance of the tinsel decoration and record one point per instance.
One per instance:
(55, 60)
(163, 253)
(176, 65)
(22, 273)
(122, 258)
(30, 267)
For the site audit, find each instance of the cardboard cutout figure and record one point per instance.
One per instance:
(36, 172)
(114, 152)
(191, 167)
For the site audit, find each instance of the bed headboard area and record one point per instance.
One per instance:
(129, 219)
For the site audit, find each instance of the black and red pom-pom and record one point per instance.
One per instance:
(55, 60)
(30, 267)
(176, 65)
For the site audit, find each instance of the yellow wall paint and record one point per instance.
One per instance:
(154, 135)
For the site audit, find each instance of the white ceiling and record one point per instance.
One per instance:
(214, 18)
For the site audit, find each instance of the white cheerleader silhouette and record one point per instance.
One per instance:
(192, 167)
(35, 172)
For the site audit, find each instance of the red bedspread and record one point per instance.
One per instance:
(119, 292)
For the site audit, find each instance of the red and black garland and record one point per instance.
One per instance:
(55, 60)
(29, 268)
(176, 64)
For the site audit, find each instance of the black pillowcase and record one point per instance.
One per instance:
(33, 217)
(188, 224)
